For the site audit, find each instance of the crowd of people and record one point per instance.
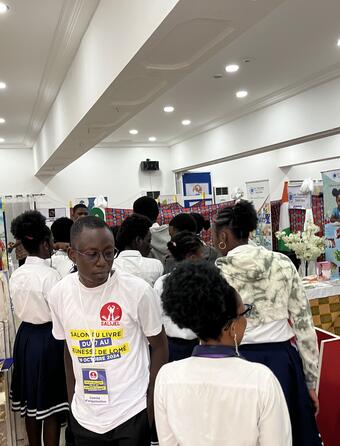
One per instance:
(142, 334)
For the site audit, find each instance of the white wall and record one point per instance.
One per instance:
(111, 172)
(266, 166)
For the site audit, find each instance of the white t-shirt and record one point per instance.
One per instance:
(134, 263)
(215, 402)
(29, 285)
(62, 263)
(120, 314)
(171, 329)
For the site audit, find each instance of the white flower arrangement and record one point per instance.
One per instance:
(306, 245)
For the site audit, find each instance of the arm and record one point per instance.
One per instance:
(165, 435)
(158, 357)
(303, 326)
(274, 422)
(70, 379)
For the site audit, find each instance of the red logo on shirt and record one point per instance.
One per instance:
(110, 314)
(93, 375)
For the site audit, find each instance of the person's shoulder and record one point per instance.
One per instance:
(68, 282)
(129, 280)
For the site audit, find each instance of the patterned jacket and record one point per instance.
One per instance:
(270, 282)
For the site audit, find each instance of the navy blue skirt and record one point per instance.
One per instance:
(180, 348)
(285, 362)
(38, 386)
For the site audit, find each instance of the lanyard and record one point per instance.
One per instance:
(92, 338)
(215, 351)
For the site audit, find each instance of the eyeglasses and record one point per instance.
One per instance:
(93, 256)
(247, 312)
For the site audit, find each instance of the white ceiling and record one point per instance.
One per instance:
(291, 49)
(38, 40)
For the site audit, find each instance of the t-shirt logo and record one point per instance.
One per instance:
(110, 314)
(93, 375)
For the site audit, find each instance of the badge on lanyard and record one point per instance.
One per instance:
(95, 386)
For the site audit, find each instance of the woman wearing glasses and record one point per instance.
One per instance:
(269, 281)
(215, 397)
(38, 388)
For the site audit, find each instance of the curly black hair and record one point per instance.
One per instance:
(201, 222)
(132, 227)
(335, 192)
(184, 222)
(183, 244)
(241, 219)
(196, 296)
(30, 227)
(61, 230)
(146, 206)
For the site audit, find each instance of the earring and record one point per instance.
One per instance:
(222, 246)
(236, 346)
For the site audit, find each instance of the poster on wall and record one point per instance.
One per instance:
(331, 194)
(197, 188)
(258, 193)
(52, 214)
(298, 200)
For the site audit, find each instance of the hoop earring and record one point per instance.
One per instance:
(222, 247)
(236, 346)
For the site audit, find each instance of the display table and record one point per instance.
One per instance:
(324, 299)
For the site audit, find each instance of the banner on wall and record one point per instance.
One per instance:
(258, 193)
(298, 200)
(331, 194)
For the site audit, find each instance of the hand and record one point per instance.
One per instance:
(315, 400)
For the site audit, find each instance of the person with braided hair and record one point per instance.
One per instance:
(38, 389)
(184, 246)
(269, 281)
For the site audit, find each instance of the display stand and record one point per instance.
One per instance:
(328, 387)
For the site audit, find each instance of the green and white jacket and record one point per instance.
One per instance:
(270, 282)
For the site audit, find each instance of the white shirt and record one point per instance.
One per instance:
(29, 285)
(220, 402)
(277, 331)
(120, 314)
(62, 263)
(134, 263)
(171, 329)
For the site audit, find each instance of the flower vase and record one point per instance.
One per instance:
(307, 268)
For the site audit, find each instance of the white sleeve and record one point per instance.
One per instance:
(56, 315)
(274, 423)
(149, 313)
(165, 435)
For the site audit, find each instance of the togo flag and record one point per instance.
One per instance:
(284, 224)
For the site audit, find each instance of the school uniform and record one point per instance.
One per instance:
(269, 281)
(38, 386)
(106, 330)
(181, 340)
(132, 261)
(215, 398)
(61, 262)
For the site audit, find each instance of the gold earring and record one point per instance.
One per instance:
(222, 247)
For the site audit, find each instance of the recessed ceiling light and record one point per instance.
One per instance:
(241, 94)
(3, 8)
(232, 68)
(186, 122)
(2, 85)
(2, 139)
(133, 132)
(169, 109)
(338, 42)
(152, 139)
(2, 121)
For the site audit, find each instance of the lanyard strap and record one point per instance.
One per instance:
(92, 338)
(215, 351)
